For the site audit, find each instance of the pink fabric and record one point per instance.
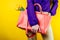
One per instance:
(43, 20)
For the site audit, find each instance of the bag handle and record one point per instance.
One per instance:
(37, 4)
(32, 35)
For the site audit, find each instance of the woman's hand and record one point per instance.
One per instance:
(35, 28)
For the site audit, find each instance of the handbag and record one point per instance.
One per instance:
(43, 20)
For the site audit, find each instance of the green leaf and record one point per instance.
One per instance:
(21, 9)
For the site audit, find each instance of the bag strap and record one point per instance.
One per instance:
(37, 4)
(32, 35)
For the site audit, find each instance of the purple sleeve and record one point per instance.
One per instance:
(54, 7)
(31, 14)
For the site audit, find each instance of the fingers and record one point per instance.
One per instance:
(35, 28)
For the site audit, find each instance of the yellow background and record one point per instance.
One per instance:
(9, 17)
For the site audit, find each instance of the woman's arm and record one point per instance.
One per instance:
(54, 7)
(31, 14)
